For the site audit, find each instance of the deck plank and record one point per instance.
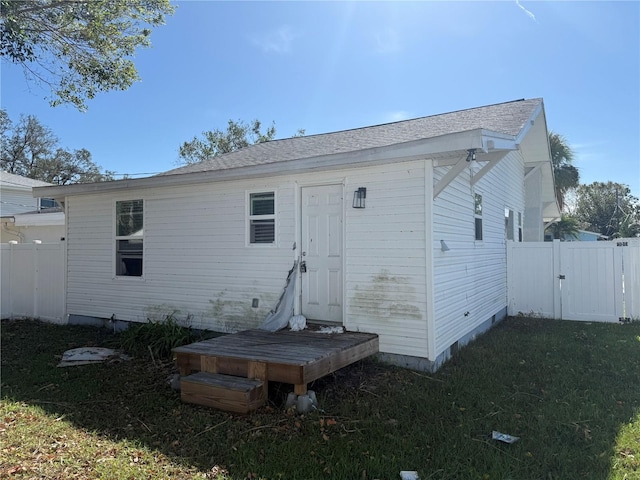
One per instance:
(296, 358)
(282, 347)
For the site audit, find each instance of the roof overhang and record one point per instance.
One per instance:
(440, 147)
(445, 150)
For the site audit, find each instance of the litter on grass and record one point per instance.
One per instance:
(297, 323)
(89, 355)
(409, 475)
(503, 437)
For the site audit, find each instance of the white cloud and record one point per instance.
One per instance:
(388, 41)
(589, 151)
(278, 41)
(529, 14)
(397, 116)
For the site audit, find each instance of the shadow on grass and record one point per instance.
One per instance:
(567, 389)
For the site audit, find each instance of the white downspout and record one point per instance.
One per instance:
(13, 233)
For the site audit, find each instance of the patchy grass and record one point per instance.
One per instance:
(569, 390)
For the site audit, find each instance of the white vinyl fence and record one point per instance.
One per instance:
(32, 281)
(591, 281)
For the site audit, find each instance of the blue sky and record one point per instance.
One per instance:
(327, 66)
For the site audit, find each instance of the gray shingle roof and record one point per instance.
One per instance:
(16, 181)
(508, 118)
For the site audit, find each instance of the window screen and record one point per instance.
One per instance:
(129, 238)
(262, 220)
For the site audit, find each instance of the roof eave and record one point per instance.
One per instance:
(460, 141)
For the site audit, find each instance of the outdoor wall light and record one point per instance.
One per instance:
(471, 154)
(443, 246)
(359, 197)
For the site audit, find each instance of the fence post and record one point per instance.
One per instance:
(509, 277)
(63, 315)
(621, 291)
(632, 279)
(36, 276)
(10, 278)
(557, 282)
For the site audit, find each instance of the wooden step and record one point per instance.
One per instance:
(224, 392)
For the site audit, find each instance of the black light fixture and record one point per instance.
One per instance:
(471, 154)
(359, 197)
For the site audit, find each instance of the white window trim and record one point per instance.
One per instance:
(40, 207)
(519, 228)
(476, 216)
(116, 237)
(510, 214)
(250, 217)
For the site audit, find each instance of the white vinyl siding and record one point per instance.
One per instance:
(470, 278)
(196, 262)
(17, 201)
(385, 257)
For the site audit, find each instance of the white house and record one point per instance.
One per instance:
(24, 218)
(401, 230)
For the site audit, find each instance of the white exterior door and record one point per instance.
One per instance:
(322, 291)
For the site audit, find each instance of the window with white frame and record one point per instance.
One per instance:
(519, 226)
(262, 218)
(48, 203)
(478, 215)
(129, 238)
(509, 220)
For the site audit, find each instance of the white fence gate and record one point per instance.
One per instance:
(592, 281)
(32, 281)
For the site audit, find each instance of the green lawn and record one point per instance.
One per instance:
(570, 391)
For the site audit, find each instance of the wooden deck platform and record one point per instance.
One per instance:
(297, 358)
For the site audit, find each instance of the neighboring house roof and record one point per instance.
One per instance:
(581, 235)
(42, 218)
(10, 180)
(506, 118)
(584, 234)
(16, 193)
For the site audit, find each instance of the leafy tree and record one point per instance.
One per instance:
(216, 142)
(608, 208)
(66, 167)
(565, 228)
(566, 176)
(78, 47)
(32, 150)
(629, 227)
